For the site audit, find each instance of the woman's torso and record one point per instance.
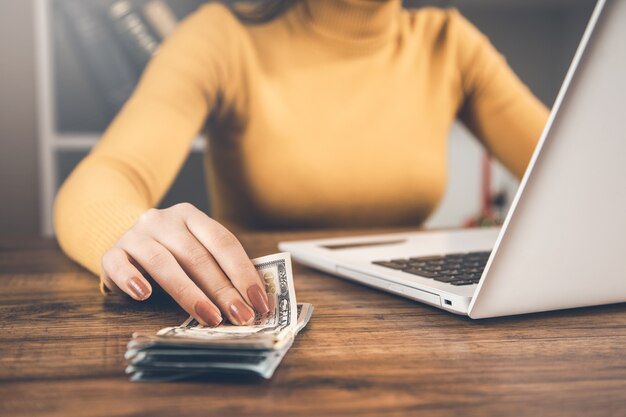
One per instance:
(330, 128)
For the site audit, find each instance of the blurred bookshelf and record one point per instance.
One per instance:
(538, 38)
(72, 114)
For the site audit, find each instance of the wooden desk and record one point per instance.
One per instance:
(365, 353)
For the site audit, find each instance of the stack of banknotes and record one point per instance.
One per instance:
(191, 351)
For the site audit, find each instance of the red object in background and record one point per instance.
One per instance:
(487, 217)
(486, 201)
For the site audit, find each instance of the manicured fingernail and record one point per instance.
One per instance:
(241, 312)
(139, 288)
(258, 299)
(208, 313)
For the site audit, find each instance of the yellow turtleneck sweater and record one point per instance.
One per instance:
(334, 114)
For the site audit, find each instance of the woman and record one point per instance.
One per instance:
(328, 113)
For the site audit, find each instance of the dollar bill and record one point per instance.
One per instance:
(157, 346)
(158, 362)
(164, 363)
(190, 350)
(275, 271)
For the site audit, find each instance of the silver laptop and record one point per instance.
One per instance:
(563, 243)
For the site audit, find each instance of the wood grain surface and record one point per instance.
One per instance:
(365, 353)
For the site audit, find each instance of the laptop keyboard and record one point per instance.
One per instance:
(456, 269)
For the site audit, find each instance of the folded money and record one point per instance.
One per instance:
(170, 360)
(191, 350)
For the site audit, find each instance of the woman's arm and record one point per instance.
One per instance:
(498, 108)
(103, 214)
(142, 151)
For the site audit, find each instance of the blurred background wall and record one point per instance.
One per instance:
(19, 197)
(538, 38)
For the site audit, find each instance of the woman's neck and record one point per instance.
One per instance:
(357, 20)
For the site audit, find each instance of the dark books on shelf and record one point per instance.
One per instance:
(133, 32)
(107, 67)
(161, 17)
(115, 39)
(78, 107)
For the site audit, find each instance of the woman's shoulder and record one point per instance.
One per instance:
(437, 21)
(214, 17)
(443, 28)
(215, 10)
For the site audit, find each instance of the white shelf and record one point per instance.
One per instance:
(48, 180)
(86, 141)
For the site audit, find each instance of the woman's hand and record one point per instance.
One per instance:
(192, 257)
